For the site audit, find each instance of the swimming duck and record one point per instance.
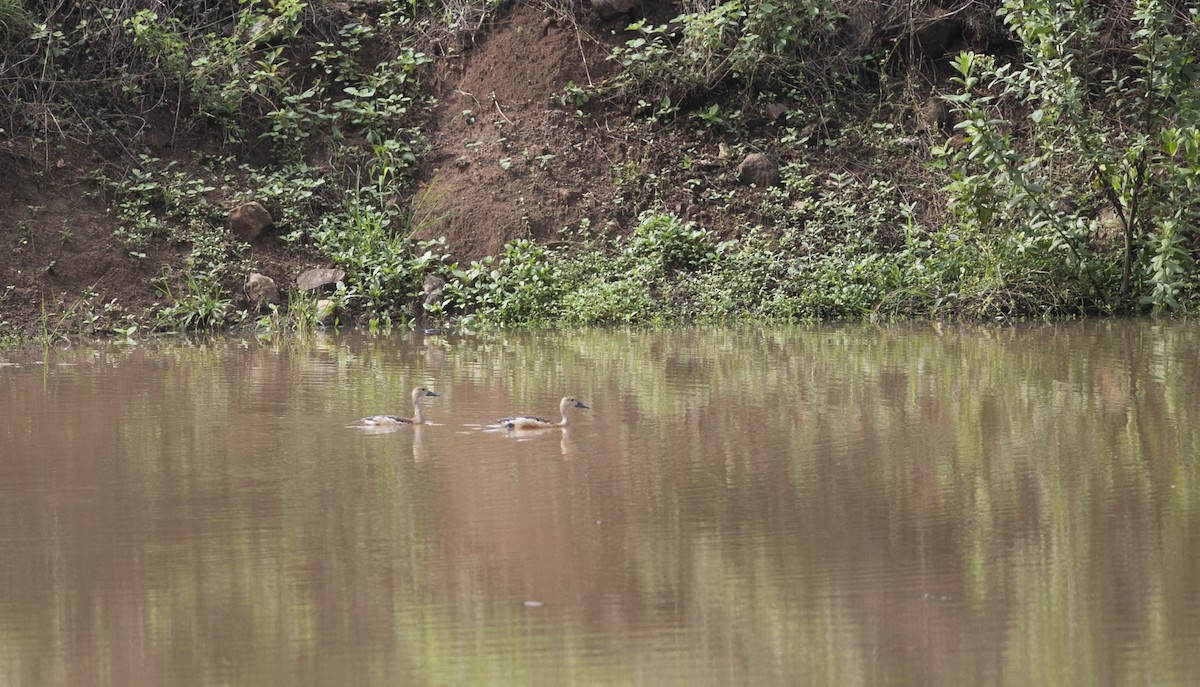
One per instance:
(418, 417)
(530, 422)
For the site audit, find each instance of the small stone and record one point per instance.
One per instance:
(933, 117)
(261, 289)
(249, 221)
(611, 9)
(758, 169)
(319, 278)
(432, 288)
(326, 311)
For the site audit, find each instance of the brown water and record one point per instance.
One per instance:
(914, 505)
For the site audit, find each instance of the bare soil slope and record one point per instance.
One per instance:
(508, 158)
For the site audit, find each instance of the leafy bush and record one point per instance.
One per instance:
(522, 287)
(635, 279)
(201, 304)
(380, 102)
(384, 265)
(14, 21)
(1125, 136)
(720, 43)
(155, 200)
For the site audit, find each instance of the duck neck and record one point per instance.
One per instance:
(418, 416)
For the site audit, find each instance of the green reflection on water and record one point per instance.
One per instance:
(831, 506)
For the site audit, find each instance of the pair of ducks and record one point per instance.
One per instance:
(514, 422)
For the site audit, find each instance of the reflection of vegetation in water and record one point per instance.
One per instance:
(1000, 459)
(1038, 459)
(833, 503)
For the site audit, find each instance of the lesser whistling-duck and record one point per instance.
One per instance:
(531, 422)
(418, 417)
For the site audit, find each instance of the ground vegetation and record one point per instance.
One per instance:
(561, 162)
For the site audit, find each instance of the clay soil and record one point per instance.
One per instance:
(508, 159)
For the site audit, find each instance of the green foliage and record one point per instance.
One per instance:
(384, 265)
(201, 304)
(155, 201)
(660, 244)
(1137, 146)
(741, 42)
(574, 96)
(520, 287)
(162, 38)
(219, 69)
(243, 66)
(378, 102)
(622, 281)
(14, 21)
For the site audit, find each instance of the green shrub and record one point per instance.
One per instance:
(521, 287)
(1124, 135)
(384, 265)
(200, 304)
(14, 21)
(737, 42)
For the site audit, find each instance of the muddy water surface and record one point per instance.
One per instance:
(912, 505)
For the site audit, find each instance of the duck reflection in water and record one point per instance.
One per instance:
(419, 452)
(390, 423)
(566, 444)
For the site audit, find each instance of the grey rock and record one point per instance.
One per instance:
(249, 221)
(610, 9)
(934, 117)
(758, 169)
(326, 311)
(775, 111)
(261, 289)
(432, 288)
(319, 278)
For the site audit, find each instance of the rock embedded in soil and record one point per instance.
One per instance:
(611, 9)
(758, 169)
(934, 117)
(775, 111)
(261, 289)
(319, 278)
(433, 288)
(249, 221)
(326, 311)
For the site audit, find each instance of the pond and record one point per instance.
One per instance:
(826, 505)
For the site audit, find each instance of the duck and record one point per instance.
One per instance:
(418, 417)
(531, 422)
